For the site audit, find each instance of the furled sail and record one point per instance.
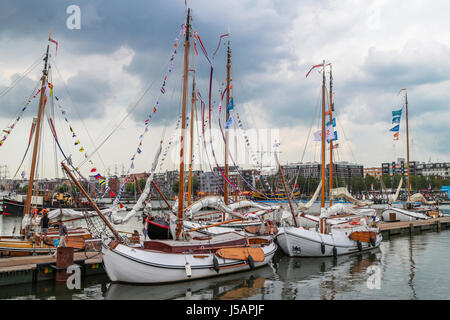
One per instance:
(303, 207)
(418, 197)
(392, 200)
(144, 195)
(343, 193)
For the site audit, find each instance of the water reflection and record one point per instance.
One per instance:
(229, 287)
(411, 269)
(332, 276)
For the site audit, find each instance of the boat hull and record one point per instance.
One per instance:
(396, 214)
(135, 265)
(300, 242)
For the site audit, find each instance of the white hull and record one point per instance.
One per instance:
(300, 242)
(136, 265)
(396, 214)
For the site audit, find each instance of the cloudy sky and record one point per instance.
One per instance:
(122, 49)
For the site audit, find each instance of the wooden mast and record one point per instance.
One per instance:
(331, 141)
(36, 137)
(322, 198)
(407, 144)
(286, 190)
(194, 98)
(225, 187)
(183, 127)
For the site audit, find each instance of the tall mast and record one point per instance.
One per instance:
(183, 127)
(407, 144)
(331, 141)
(225, 189)
(36, 136)
(322, 200)
(192, 140)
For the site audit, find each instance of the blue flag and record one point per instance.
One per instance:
(230, 106)
(334, 123)
(397, 113)
(229, 122)
(395, 120)
(395, 129)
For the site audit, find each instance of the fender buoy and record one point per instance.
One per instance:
(372, 241)
(251, 263)
(322, 247)
(216, 264)
(358, 243)
(334, 251)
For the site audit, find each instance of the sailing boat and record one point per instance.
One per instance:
(327, 239)
(32, 241)
(185, 257)
(408, 213)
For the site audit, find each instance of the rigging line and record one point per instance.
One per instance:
(309, 134)
(76, 109)
(17, 80)
(127, 115)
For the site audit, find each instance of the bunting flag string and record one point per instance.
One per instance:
(7, 131)
(147, 121)
(220, 39)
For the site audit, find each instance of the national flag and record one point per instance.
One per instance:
(334, 146)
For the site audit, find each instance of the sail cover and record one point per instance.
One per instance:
(418, 197)
(343, 193)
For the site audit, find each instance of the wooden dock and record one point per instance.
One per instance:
(15, 270)
(389, 229)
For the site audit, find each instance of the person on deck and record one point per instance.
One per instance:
(44, 223)
(62, 235)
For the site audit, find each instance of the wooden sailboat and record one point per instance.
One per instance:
(185, 257)
(408, 212)
(328, 239)
(32, 241)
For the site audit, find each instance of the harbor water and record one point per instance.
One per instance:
(403, 267)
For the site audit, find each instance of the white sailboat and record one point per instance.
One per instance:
(408, 212)
(324, 238)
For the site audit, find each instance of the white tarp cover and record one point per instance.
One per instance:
(343, 193)
(418, 197)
